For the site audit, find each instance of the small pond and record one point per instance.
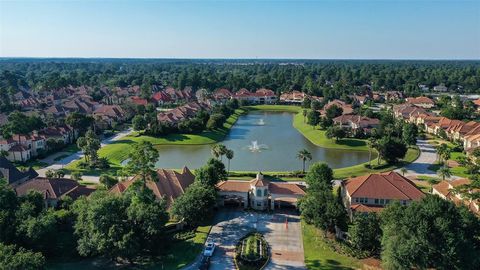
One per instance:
(261, 141)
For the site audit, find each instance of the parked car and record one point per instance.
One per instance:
(209, 249)
(205, 263)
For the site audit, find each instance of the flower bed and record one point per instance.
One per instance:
(251, 252)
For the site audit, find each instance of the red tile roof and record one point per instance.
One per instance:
(168, 184)
(390, 185)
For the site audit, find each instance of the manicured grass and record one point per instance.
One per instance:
(182, 253)
(319, 255)
(318, 137)
(357, 170)
(276, 108)
(35, 164)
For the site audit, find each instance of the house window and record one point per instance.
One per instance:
(382, 201)
(265, 192)
(387, 201)
(259, 204)
(356, 200)
(259, 193)
(376, 201)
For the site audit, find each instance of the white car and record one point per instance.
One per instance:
(209, 249)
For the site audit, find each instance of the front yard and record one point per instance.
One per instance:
(319, 255)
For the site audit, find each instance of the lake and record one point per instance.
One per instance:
(278, 144)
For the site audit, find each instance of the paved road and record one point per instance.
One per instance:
(55, 165)
(285, 241)
(428, 156)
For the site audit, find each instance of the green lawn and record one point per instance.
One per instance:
(360, 169)
(318, 137)
(178, 255)
(318, 255)
(182, 253)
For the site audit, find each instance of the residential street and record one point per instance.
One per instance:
(55, 165)
(428, 156)
(284, 238)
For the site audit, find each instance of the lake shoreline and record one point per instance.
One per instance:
(118, 152)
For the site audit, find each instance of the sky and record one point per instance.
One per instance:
(323, 29)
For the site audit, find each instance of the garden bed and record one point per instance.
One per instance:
(251, 252)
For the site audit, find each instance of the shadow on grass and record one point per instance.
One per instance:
(350, 142)
(328, 265)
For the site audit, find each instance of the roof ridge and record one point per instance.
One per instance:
(404, 178)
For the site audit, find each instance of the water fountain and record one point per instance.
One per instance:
(261, 122)
(255, 147)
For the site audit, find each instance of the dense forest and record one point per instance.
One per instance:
(317, 77)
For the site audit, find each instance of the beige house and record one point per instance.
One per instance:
(445, 189)
(372, 192)
(259, 193)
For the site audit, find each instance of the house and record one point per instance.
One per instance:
(167, 184)
(107, 114)
(139, 101)
(346, 108)
(361, 99)
(445, 189)
(461, 129)
(182, 113)
(424, 102)
(440, 88)
(261, 96)
(372, 192)
(222, 95)
(259, 193)
(53, 189)
(404, 111)
(293, 97)
(356, 123)
(476, 103)
(12, 175)
(161, 98)
(423, 87)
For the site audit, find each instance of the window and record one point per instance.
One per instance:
(265, 193)
(259, 192)
(382, 201)
(356, 200)
(376, 201)
(387, 201)
(259, 204)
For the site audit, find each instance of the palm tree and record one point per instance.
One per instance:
(229, 155)
(403, 171)
(216, 151)
(442, 150)
(304, 155)
(444, 172)
(371, 144)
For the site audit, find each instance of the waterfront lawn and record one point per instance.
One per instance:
(319, 255)
(361, 169)
(318, 137)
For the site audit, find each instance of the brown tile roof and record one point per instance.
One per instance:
(390, 185)
(286, 189)
(53, 188)
(420, 100)
(234, 186)
(168, 184)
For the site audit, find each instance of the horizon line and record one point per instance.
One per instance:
(238, 58)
